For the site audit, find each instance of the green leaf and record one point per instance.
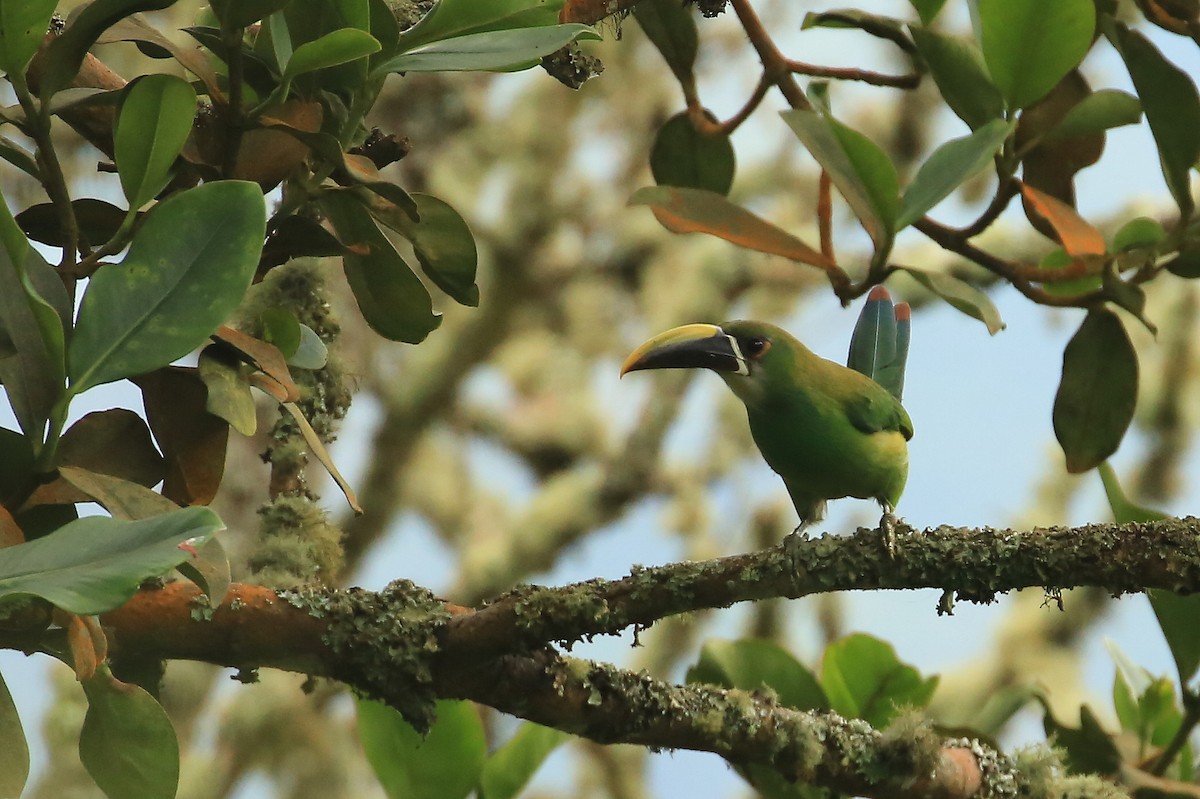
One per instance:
(338, 47)
(444, 764)
(752, 664)
(187, 269)
(122, 498)
(23, 24)
(961, 295)
(65, 54)
(19, 157)
(510, 767)
(927, 10)
(1177, 616)
(95, 564)
(1098, 392)
(443, 243)
(229, 395)
(392, 299)
(1096, 113)
(243, 13)
(1088, 748)
(153, 125)
(957, 68)
(862, 172)
(14, 763)
(949, 167)
(685, 156)
(311, 353)
(34, 377)
(127, 743)
(1172, 108)
(452, 18)
(1029, 45)
(281, 328)
(683, 210)
(489, 51)
(888, 28)
(670, 26)
(864, 679)
(1139, 232)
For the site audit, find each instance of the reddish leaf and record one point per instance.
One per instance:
(193, 441)
(10, 531)
(1077, 237)
(683, 210)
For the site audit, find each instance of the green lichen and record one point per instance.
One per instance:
(387, 641)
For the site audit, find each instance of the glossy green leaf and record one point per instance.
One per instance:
(309, 20)
(864, 679)
(188, 267)
(444, 246)
(65, 54)
(311, 353)
(927, 10)
(127, 743)
(1098, 392)
(229, 395)
(1057, 260)
(1029, 45)
(14, 762)
(685, 156)
(154, 123)
(392, 299)
(862, 172)
(334, 48)
(948, 167)
(512, 766)
(452, 18)
(243, 13)
(1172, 107)
(489, 51)
(670, 26)
(95, 564)
(1139, 232)
(752, 664)
(683, 210)
(23, 24)
(961, 295)
(958, 70)
(444, 764)
(1098, 112)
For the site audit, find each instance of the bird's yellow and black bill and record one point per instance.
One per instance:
(689, 347)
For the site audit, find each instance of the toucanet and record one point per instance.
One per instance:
(828, 430)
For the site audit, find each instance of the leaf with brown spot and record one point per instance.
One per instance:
(193, 441)
(115, 442)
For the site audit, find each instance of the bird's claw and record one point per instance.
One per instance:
(887, 523)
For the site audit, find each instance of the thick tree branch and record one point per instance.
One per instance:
(408, 647)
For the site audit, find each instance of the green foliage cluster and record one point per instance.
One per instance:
(277, 96)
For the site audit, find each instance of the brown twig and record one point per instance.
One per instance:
(910, 81)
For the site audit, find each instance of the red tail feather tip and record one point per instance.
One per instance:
(903, 312)
(878, 293)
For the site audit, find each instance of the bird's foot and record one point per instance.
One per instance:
(887, 523)
(791, 545)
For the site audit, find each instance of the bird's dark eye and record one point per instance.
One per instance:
(755, 346)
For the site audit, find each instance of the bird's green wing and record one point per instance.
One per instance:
(872, 409)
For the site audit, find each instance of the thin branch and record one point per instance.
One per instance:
(825, 215)
(909, 81)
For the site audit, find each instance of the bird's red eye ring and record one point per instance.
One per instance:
(756, 346)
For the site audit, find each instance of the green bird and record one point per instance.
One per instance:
(828, 430)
